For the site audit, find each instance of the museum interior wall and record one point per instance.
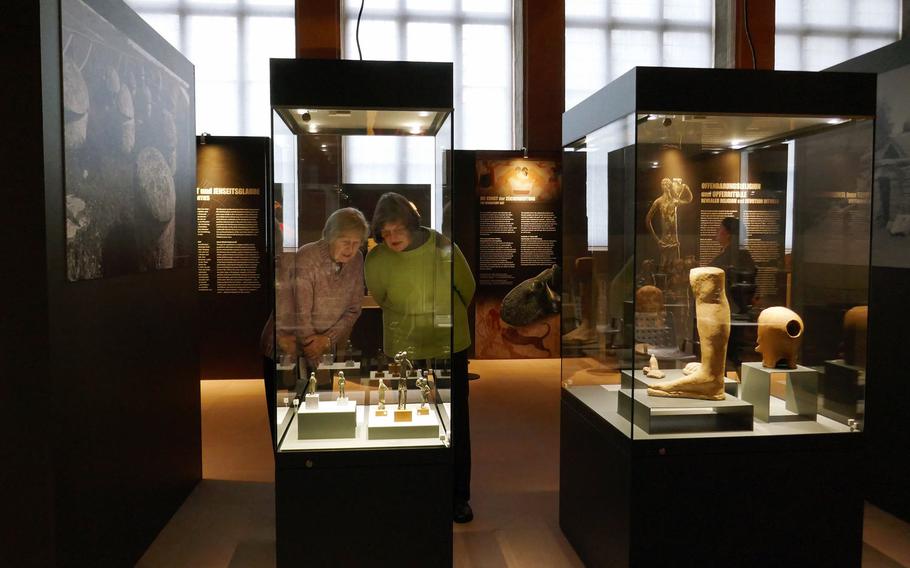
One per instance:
(27, 533)
(887, 390)
(100, 354)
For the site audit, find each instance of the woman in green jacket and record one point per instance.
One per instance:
(423, 284)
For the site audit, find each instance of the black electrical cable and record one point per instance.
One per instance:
(748, 33)
(357, 33)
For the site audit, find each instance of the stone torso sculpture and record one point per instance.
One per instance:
(712, 313)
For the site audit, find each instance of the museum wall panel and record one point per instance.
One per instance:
(232, 196)
(102, 370)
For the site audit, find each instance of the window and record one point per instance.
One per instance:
(476, 35)
(606, 38)
(230, 43)
(815, 34)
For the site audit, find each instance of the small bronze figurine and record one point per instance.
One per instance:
(311, 384)
(404, 363)
(402, 392)
(424, 387)
(382, 390)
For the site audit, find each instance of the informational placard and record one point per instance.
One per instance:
(516, 307)
(233, 200)
(760, 212)
(229, 225)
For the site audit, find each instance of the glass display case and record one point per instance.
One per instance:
(716, 268)
(344, 379)
(717, 261)
(364, 310)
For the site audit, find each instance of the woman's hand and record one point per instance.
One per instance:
(315, 345)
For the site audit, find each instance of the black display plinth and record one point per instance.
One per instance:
(359, 508)
(843, 388)
(730, 500)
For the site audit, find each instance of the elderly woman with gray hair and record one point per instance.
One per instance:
(326, 288)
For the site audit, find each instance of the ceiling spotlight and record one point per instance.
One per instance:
(324, 146)
(667, 122)
(314, 128)
(423, 114)
(415, 129)
(304, 114)
(836, 121)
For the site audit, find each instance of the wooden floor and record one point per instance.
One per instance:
(229, 520)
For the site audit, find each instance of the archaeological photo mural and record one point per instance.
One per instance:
(129, 150)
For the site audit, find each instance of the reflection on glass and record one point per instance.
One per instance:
(364, 290)
(716, 269)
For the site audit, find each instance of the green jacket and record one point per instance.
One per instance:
(419, 297)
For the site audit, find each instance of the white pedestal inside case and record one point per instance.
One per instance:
(330, 420)
(326, 373)
(800, 388)
(386, 428)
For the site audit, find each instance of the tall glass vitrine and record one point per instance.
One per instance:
(716, 283)
(717, 259)
(363, 302)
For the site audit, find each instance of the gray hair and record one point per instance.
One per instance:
(343, 221)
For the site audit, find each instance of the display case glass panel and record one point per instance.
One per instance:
(717, 270)
(363, 279)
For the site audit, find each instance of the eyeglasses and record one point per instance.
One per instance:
(393, 231)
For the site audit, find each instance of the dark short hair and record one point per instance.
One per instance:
(394, 208)
(731, 224)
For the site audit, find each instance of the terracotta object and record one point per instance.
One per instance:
(649, 299)
(653, 369)
(856, 322)
(692, 367)
(780, 333)
(712, 314)
(585, 332)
